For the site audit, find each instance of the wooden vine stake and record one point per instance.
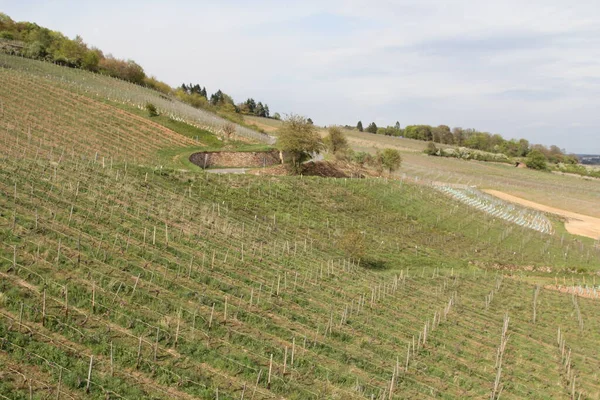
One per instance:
(270, 371)
(87, 385)
(44, 308)
(212, 312)
(256, 385)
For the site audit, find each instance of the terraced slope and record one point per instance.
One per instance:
(56, 121)
(119, 280)
(102, 88)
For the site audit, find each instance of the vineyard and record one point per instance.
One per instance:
(100, 87)
(119, 279)
(498, 208)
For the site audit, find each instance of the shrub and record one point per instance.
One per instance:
(151, 108)
(335, 140)
(229, 130)
(353, 244)
(431, 149)
(537, 160)
(390, 159)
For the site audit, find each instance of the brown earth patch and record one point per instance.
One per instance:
(576, 224)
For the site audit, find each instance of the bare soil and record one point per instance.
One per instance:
(576, 224)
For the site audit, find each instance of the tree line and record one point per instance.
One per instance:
(473, 139)
(30, 40)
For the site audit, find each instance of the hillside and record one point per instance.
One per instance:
(125, 276)
(577, 194)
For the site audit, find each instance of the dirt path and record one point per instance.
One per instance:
(577, 224)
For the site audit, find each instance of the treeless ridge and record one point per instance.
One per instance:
(577, 224)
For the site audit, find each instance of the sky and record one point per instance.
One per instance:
(521, 69)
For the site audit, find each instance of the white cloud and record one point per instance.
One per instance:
(510, 67)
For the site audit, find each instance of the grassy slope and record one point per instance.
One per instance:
(571, 193)
(163, 254)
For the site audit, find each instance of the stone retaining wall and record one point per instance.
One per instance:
(232, 159)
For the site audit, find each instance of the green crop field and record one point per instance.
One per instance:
(125, 276)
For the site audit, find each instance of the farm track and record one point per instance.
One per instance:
(577, 224)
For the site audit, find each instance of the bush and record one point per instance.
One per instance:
(336, 140)
(431, 149)
(390, 159)
(353, 244)
(151, 108)
(537, 160)
(361, 158)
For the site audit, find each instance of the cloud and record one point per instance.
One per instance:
(502, 67)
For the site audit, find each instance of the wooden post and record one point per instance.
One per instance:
(44, 308)
(278, 281)
(87, 386)
(93, 297)
(21, 317)
(137, 279)
(293, 351)
(392, 385)
(156, 342)
(243, 391)
(178, 324)
(285, 360)
(190, 268)
(270, 371)
(256, 385)
(139, 353)
(66, 301)
(58, 253)
(212, 311)
(112, 367)
(59, 382)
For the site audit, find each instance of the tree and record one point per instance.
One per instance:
(299, 139)
(537, 160)
(372, 128)
(442, 134)
(390, 159)
(397, 126)
(259, 110)
(251, 104)
(229, 130)
(277, 116)
(90, 60)
(310, 121)
(459, 136)
(359, 126)
(335, 140)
